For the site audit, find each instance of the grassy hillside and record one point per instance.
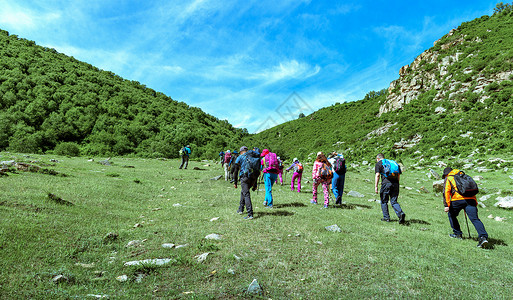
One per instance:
(462, 104)
(287, 249)
(49, 100)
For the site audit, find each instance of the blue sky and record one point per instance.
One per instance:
(254, 63)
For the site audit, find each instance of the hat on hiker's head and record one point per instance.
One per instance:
(228, 151)
(188, 146)
(278, 157)
(265, 152)
(243, 148)
(319, 153)
(295, 159)
(446, 172)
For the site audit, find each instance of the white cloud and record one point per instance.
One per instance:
(287, 70)
(22, 18)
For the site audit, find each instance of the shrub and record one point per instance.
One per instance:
(67, 149)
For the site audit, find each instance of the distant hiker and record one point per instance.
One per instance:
(270, 168)
(454, 202)
(389, 172)
(280, 170)
(221, 157)
(298, 173)
(249, 164)
(339, 176)
(322, 174)
(232, 166)
(227, 158)
(184, 153)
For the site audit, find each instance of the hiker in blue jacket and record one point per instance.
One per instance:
(389, 190)
(248, 179)
(184, 153)
(339, 177)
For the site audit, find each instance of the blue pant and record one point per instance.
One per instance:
(390, 191)
(337, 186)
(269, 180)
(470, 207)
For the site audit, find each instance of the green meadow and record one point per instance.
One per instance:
(83, 230)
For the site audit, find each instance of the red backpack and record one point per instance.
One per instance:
(271, 162)
(227, 157)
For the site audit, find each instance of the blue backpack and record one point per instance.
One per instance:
(390, 168)
(250, 164)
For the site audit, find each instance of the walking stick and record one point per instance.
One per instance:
(466, 220)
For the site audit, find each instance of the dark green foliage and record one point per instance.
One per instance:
(48, 99)
(67, 149)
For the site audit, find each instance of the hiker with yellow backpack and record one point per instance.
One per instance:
(322, 175)
(460, 194)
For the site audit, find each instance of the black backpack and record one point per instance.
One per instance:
(465, 185)
(340, 165)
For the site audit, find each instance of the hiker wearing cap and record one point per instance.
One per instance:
(221, 158)
(280, 170)
(389, 186)
(298, 173)
(184, 153)
(227, 158)
(339, 176)
(231, 166)
(454, 202)
(248, 163)
(321, 163)
(270, 168)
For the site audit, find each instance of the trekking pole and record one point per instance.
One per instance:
(466, 220)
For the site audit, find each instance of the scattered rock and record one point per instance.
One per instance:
(202, 257)
(237, 257)
(106, 162)
(408, 188)
(481, 204)
(499, 219)
(217, 177)
(138, 225)
(98, 296)
(60, 279)
(254, 288)
(111, 236)
(181, 246)
(504, 202)
(213, 236)
(485, 197)
(156, 209)
(438, 186)
(333, 228)
(134, 243)
(355, 194)
(478, 178)
(168, 245)
(177, 205)
(435, 174)
(230, 271)
(87, 266)
(154, 262)
(139, 277)
(122, 278)
(214, 219)
(423, 190)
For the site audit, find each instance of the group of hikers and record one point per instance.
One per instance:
(248, 166)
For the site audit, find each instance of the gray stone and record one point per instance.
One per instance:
(122, 278)
(438, 186)
(485, 197)
(153, 262)
(435, 174)
(333, 228)
(254, 288)
(134, 243)
(355, 194)
(60, 279)
(504, 202)
(168, 245)
(213, 236)
(202, 257)
(217, 177)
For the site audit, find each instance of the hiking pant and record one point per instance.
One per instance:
(325, 184)
(226, 172)
(185, 162)
(280, 175)
(337, 186)
(269, 180)
(297, 176)
(246, 183)
(390, 191)
(470, 207)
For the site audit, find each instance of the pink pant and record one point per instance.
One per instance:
(294, 176)
(324, 189)
(280, 174)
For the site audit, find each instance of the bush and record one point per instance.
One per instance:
(67, 149)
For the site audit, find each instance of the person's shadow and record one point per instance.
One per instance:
(294, 204)
(273, 212)
(351, 206)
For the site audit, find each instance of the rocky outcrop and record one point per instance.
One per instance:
(430, 70)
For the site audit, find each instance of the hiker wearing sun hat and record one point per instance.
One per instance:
(270, 167)
(455, 200)
(298, 173)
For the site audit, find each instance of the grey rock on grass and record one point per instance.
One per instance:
(254, 288)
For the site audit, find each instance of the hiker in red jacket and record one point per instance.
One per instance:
(298, 173)
(321, 162)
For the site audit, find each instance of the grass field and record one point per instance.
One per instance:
(287, 249)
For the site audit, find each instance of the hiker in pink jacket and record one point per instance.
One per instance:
(318, 164)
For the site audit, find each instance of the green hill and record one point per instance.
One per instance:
(455, 98)
(51, 101)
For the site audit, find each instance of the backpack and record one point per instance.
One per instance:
(340, 165)
(298, 168)
(390, 168)
(325, 172)
(271, 162)
(250, 164)
(227, 157)
(465, 185)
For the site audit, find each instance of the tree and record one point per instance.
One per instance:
(301, 115)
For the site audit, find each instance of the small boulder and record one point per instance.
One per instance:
(438, 186)
(355, 194)
(254, 288)
(333, 228)
(213, 236)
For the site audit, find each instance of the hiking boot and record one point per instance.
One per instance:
(265, 203)
(248, 218)
(456, 236)
(385, 219)
(313, 202)
(239, 211)
(325, 206)
(483, 242)
(401, 218)
(269, 206)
